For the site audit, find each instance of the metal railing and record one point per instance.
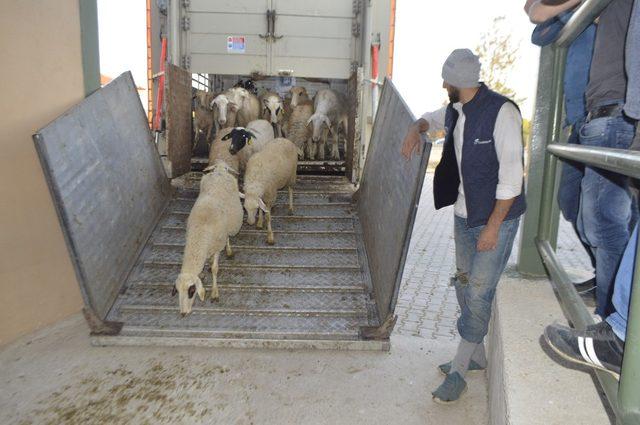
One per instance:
(623, 396)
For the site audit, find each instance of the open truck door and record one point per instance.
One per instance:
(331, 280)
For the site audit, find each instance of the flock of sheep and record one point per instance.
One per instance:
(307, 122)
(269, 163)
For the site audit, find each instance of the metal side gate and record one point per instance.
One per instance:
(314, 288)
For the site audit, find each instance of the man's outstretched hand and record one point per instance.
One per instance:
(412, 141)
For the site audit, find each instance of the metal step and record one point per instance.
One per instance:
(310, 286)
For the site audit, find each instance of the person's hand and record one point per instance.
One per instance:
(412, 142)
(488, 240)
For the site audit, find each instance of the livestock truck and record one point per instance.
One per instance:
(123, 196)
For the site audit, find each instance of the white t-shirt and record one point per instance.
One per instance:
(507, 135)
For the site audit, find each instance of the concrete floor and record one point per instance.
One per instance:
(55, 377)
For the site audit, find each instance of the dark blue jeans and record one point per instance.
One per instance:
(478, 274)
(607, 211)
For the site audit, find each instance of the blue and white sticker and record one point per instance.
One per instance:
(236, 44)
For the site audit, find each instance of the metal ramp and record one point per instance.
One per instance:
(309, 289)
(331, 280)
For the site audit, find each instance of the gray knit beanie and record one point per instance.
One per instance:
(462, 69)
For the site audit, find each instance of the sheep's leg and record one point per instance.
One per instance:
(290, 200)
(335, 152)
(209, 136)
(311, 149)
(259, 222)
(270, 239)
(321, 145)
(215, 295)
(228, 249)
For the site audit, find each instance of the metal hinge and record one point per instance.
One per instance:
(186, 4)
(186, 61)
(186, 23)
(357, 7)
(354, 66)
(355, 28)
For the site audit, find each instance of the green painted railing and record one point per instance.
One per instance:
(623, 396)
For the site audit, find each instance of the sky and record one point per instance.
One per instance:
(123, 40)
(426, 32)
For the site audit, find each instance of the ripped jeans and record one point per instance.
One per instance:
(478, 274)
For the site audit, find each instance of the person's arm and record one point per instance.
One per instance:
(507, 136)
(429, 121)
(539, 13)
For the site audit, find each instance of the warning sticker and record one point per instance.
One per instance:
(236, 44)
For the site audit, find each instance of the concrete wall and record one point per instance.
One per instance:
(40, 77)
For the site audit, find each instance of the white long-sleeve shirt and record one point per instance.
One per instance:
(507, 135)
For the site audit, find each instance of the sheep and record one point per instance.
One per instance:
(298, 94)
(297, 129)
(203, 114)
(247, 141)
(219, 150)
(245, 104)
(216, 215)
(269, 170)
(224, 112)
(330, 112)
(273, 111)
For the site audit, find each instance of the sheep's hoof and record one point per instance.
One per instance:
(230, 255)
(270, 240)
(215, 300)
(291, 212)
(259, 226)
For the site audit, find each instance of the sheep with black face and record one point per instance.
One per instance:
(246, 141)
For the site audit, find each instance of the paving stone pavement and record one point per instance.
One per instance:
(427, 305)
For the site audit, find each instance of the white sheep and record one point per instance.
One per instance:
(246, 141)
(297, 129)
(203, 115)
(273, 111)
(246, 105)
(224, 112)
(330, 111)
(269, 170)
(215, 216)
(298, 94)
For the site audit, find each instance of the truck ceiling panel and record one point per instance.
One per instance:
(341, 8)
(232, 6)
(217, 44)
(305, 26)
(228, 24)
(301, 47)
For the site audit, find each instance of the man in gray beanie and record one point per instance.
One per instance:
(481, 175)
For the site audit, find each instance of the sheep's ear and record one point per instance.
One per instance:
(262, 205)
(242, 196)
(209, 168)
(200, 289)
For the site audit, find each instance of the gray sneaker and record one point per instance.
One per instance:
(450, 390)
(445, 368)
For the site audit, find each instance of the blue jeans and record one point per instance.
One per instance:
(607, 212)
(632, 64)
(622, 288)
(478, 274)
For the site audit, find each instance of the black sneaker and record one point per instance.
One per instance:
(597, 346)
(585, 286)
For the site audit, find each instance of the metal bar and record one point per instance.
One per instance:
(582, 17)
(545, 224)
(89, 45)
(619, 161)
(628, 405)
(577, 312)
(529, 262)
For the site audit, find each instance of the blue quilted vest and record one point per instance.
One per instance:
(479, 160)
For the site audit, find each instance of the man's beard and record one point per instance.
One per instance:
(454, 95)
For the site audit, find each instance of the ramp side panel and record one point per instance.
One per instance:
(388, 197)
(108, 186)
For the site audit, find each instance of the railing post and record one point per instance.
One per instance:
(629, 390)
(549, 79)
